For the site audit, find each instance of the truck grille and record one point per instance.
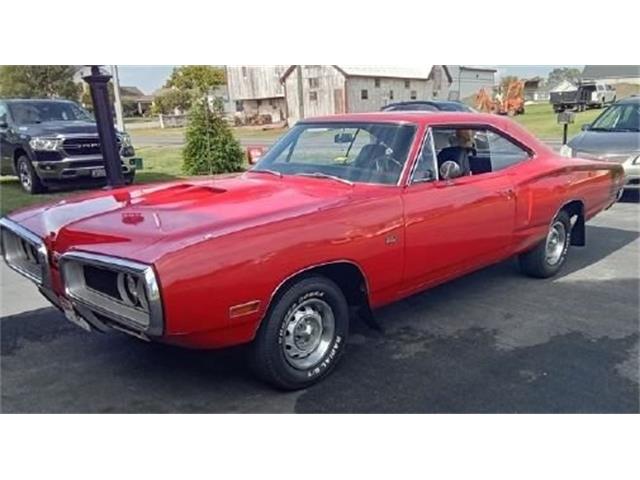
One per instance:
(83, 146)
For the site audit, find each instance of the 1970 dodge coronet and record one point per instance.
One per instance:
(343, 214)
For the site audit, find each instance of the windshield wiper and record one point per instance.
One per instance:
(325, 175)
(264, 170)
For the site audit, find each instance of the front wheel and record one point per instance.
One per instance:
(303, 335)
(547, 259)
(29, 180)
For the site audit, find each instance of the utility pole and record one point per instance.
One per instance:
(116, 96)
(300, 94)
(103, 112)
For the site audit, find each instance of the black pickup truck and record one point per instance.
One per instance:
(54, 142)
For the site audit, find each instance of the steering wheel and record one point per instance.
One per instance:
(386, 164)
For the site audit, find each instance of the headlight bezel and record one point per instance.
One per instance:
(125, 140)
(149, 321)
(46, 144)
(36, 243)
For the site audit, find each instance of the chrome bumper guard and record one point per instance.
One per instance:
(101, 309)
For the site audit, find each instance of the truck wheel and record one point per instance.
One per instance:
(547, 259)
(29, 179)
(303, 335)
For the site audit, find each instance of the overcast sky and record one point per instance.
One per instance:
(150, 78)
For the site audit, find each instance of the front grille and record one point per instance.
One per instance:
(83, 146)
(101, 280)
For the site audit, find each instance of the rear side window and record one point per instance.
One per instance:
(504, 153)
(478, 151)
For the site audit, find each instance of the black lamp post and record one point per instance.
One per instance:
(103, 111)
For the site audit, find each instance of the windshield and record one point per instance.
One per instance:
(351, 152)
(619, 118)
(29, 113)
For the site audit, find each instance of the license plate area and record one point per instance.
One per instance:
(99, 173)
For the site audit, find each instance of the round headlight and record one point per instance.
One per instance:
(131, 290)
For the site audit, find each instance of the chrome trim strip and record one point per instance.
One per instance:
(27, 235)
(76, 290)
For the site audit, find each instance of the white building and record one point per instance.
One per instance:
(317, 90)
(467, 80)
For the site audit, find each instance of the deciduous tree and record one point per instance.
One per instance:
(39, 81)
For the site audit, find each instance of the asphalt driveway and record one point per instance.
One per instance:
(494, 341)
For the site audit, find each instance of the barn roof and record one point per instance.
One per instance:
(415, 72)
(595, 72)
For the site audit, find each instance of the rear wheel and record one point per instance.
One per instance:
(547, 259)
(29, 179)
(303, 335)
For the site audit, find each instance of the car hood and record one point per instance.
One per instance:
(58, 128)
(143, 223)
(606, 142)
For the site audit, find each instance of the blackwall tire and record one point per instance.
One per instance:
(303, 335)
(548, 258)
(29, 180)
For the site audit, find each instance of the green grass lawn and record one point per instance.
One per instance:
(541, 120)
(160, 164)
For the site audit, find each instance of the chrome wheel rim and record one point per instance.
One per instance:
(556, 243)
(25, 176)
(308, 333)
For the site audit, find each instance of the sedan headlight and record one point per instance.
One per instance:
(45, 143)
(566, 151)
(114, 290)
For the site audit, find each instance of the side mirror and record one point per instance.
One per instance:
(450, 170)
(586, 127)
(343, 138)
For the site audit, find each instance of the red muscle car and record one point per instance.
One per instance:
(342, 214)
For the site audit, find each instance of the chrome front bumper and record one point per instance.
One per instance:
(27, 254)
(70, 168)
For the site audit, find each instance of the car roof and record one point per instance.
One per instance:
(422, 118)
(631, 99)
(417, 117)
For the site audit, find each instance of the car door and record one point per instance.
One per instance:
(453, 226)
(6, 149)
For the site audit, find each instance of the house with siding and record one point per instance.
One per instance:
(257, 93)
(467, 80)
(318, 90)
